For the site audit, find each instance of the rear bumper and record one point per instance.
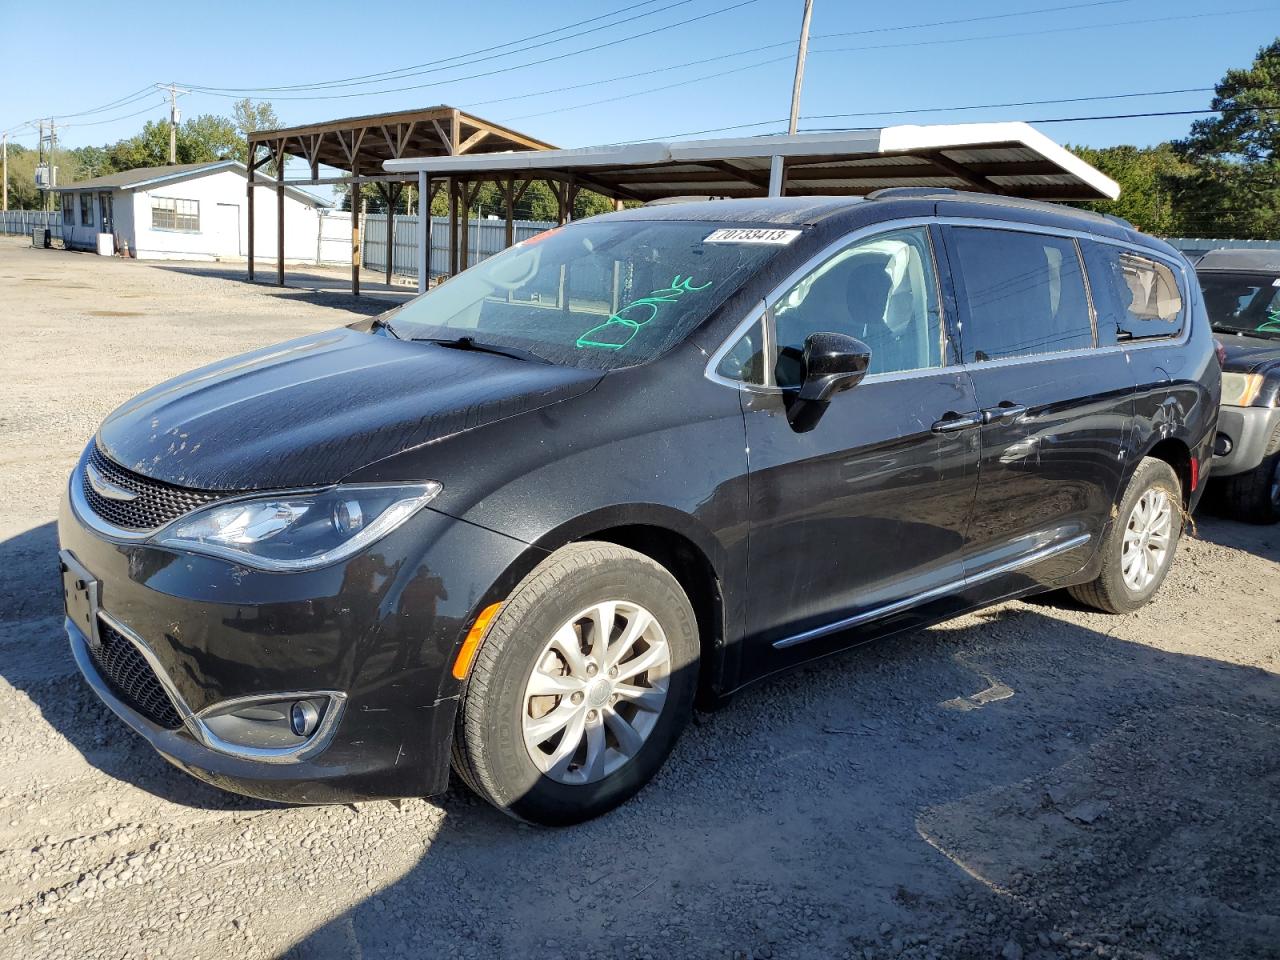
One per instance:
(1248, 429)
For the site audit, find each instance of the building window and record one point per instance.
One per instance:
(168, 213)
(68, 209)
(86, 209)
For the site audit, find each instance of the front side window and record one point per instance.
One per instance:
(1024, 293)
(599, 295)
(170, 213)
(1242, 302)
(68, 209)
(86, 209)
(881, 290)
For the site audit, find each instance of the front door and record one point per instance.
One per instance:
(862, 513)
(104, 209)
(1056, 409)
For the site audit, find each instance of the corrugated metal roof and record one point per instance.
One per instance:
(1007, 158)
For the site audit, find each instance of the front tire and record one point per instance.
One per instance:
(1254, 497)
(1139, 547)
(581, 687)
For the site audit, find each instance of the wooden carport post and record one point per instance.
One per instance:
(280, 213)
(390, 193)
(355, 232)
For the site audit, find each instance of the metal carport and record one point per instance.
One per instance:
(1006, 158)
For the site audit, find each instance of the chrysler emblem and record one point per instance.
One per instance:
(105, 488)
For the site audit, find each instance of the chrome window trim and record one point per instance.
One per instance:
(193, 722)
(898, 606)
(1178, 265)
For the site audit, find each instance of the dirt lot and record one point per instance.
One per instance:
(1033, 781)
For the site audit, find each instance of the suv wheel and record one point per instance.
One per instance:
(1139, 546)
(581, 687)
(1255, 496)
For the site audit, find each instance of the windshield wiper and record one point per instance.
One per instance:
(474, 345)
(385, 325)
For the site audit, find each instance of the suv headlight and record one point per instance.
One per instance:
(288, 532)
(1241, 389)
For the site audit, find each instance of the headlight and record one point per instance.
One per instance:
(1241, 389)
(304, 531)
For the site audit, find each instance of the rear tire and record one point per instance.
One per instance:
(1140, 544)
(596, 734)
(1254, 497)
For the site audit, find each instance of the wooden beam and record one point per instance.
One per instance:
(249, 187)
(453, 226)
(472, 140)
(444, 137)
(455, 131)
(509, 202)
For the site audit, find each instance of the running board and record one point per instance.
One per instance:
(898, 606)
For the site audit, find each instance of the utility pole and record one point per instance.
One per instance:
(4, 148)
(174, 116)
(800, 55)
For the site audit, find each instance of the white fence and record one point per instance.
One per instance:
(485, 238)
(21, 222)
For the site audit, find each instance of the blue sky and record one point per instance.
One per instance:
(96, 53)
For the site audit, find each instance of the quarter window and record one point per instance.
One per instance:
(1024, 292)
(169, 213)
(881, 290)
(1146, 294)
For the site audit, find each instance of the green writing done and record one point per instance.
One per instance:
(621, 327)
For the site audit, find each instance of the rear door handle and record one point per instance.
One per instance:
(955, 422)
(1006, 410)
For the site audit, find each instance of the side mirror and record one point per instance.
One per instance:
(832, 362)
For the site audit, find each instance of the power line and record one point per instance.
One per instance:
(401, 73)
(949, 109)
(213, 91)
(1107, 116)
(886, 46)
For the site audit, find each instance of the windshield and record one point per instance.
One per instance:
(1243, 302)
(599, 295)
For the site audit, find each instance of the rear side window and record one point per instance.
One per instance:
(1146, 299)
(1024, 293)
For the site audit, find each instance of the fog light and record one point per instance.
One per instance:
(1222, 445)
(303, 718)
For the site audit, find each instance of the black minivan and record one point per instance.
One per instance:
(523, 523)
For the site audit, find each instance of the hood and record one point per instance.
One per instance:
(310, 411)
(1249, 354)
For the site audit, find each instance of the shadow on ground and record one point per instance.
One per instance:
(36, 660)
(325, 289)
(1023, 781)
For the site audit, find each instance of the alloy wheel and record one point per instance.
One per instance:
(596, 692)
(1147, 538)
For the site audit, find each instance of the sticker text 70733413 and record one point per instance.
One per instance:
(752, 235)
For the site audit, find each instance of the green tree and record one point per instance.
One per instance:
(199, 140)
(1153, 185)
(251, 117)
(23, 194)
(1236, 190)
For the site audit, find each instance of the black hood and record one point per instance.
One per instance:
(1250, 354)
(310, 411)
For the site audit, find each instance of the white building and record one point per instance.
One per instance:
(192, 211)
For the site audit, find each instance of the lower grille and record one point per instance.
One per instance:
(131, 678)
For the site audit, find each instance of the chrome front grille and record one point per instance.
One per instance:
(153, 503)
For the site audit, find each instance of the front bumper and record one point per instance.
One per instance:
(1248, 429)
(380, 630)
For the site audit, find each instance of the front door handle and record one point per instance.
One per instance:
(954, 422)
(1006, 410)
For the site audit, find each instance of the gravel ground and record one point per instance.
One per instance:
(1034, 781)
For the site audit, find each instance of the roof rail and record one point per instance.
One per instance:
(888, 193)
(1120, 220)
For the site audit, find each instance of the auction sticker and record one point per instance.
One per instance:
(752, 235)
